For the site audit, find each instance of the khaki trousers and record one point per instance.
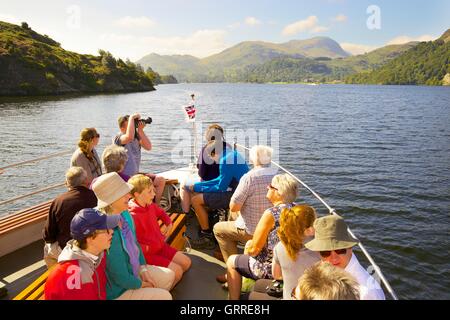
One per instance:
(146, 294)
(164, 278)
(228, 236)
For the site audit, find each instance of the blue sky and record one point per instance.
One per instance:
(134, 28)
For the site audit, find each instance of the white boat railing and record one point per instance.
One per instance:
(55, 186)
(332, 211)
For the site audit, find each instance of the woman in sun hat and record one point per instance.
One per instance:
(129, 276)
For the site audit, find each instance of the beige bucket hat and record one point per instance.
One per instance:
(331, 234)
(109, 188)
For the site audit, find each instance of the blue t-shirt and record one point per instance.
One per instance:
(232, 167)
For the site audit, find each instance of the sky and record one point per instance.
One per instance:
(134, 28)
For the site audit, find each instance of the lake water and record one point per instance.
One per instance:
(379, 155)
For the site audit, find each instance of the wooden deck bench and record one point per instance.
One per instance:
(29, 222)
(35, 291)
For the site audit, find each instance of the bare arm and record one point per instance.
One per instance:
(145, 141)
(235, 207)
(265, 224)
(129, 134)
(276, 271)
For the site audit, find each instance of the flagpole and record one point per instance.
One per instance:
(194, 129)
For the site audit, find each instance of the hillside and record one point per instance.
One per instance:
(428, 63)
(34, 64)
(276, 67)
(233, 60)
(288, 69)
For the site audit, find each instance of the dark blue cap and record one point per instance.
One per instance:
(86, 221)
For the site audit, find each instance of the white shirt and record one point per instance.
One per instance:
(368, 286)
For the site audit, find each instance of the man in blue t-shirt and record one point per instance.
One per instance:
(216, 193)
(133, 138)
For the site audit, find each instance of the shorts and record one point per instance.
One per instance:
(242, 266)
(163, 257)
(217, 200)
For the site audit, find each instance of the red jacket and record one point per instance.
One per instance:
(148, 233)
(65, 282)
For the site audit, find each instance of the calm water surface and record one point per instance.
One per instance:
(379, 155)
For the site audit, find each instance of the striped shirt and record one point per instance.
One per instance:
(251, 194)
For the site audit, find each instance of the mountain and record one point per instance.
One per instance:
(221, 66)
(446, 36)
(317, 47)
(373, 59)
(321, 69)
(427, 63)
(34, 64)
(181, 66)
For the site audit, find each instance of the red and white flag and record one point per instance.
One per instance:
(190, 112)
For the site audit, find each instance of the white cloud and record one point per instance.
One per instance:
(340, 18)
(234, 25)
(356, 49)
(9, 18)
(135, 22)
(249, 21)
(252, 21)
(201, 43)
(310, 24)
(406, 39)
(319, 29)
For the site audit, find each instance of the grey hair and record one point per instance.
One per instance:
(261, 155)
(75, 177)
(106, 210)
(114, 157)
(287, 187)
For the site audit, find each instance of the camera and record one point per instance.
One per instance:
(146, 121)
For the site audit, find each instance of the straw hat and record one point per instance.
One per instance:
(331, 234)
(109, 188)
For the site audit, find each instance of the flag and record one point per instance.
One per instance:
(190, 112)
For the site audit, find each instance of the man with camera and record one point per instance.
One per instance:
(132, 137)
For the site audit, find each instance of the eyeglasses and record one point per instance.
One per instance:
(326, 254)
(97, 135)
(270, 186)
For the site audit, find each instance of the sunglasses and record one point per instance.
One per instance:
(97, 135)
(326, 254)
(270, 186)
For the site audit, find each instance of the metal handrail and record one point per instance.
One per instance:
(62, 153)
(55, 186)
(332, 211)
